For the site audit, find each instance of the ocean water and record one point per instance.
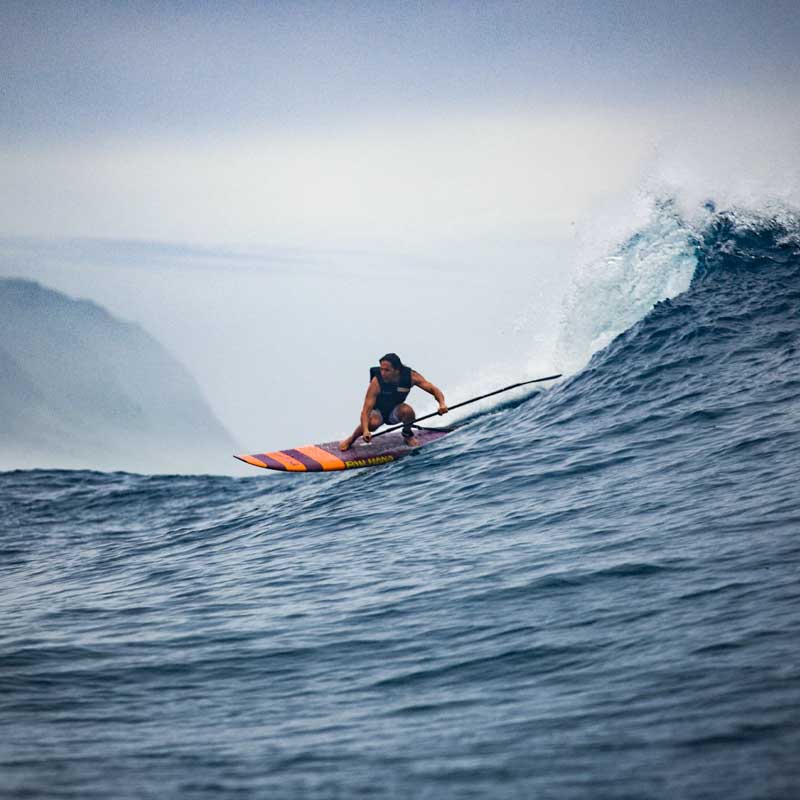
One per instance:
(591, 593)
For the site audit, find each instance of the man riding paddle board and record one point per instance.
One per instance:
(385, 401)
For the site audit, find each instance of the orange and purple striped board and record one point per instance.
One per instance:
(328, 456)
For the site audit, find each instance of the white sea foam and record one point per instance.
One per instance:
(615, 290)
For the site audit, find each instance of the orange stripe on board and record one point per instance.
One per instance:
(328, 460)
(252, 460)
(291, 464)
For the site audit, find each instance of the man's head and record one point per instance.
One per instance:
(390, 366)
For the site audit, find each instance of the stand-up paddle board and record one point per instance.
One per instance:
(328, 456)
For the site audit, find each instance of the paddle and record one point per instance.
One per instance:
(473, 400)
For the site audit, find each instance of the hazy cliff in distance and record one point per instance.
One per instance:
(80, 388)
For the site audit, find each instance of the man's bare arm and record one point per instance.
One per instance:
(373, 390)
(427, 386)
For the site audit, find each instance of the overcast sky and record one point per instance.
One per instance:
(277, 122)
(247, 179)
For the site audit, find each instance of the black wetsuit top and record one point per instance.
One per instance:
(391, 394)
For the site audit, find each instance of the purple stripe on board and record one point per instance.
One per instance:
(270, 462)
(311, 464)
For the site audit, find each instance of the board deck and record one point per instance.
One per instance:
(327, 457)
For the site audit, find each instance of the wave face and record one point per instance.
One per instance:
(591, 593)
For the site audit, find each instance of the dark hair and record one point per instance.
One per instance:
(393, 359)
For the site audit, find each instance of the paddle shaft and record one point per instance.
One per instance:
(473, 400)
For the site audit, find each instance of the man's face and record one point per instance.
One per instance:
(389, 373)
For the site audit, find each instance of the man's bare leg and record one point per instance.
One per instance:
(347, 443)
(407, 415)
(375, 421)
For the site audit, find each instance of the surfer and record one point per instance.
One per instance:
(388, 390)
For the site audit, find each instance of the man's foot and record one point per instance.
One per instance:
(409, 438)
(346, 444)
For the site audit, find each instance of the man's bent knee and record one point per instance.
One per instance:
(405, 413)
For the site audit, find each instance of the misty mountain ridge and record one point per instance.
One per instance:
(80, 388)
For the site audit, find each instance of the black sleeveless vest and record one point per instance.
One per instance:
(391, 394)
